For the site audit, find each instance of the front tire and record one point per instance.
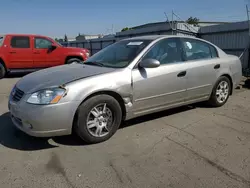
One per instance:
(2, 71)
(72, 60)
(221, 92)
(98, 119)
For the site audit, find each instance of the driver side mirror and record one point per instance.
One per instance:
(149, 63)
(52, 47)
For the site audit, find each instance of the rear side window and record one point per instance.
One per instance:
(196, 50)
(20, 42)
(214, 52)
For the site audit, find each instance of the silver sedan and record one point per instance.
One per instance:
(130, 78)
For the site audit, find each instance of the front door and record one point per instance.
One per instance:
(162, 87)
(20, 52)
(203, 66)
(43, 57)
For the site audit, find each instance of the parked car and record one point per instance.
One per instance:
(33, 52)
(130, 78)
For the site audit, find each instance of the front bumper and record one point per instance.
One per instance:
(43, 120)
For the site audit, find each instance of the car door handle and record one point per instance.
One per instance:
(36, 52)
(182, 74)
(12, 52)
(217, 66)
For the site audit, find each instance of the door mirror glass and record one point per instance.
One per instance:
(52, 47)
(149, 63)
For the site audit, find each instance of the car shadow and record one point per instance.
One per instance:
(17, 75)
(13, 138)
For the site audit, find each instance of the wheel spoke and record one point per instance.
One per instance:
(218, 92)
(219, 98)
(104, 108)
(91, 124)
(98, 131)
(95, 112)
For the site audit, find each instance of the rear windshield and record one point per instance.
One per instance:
(1, 40)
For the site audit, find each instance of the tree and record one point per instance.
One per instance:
(56, 39)
(125, 29)
(193, 21)
(65, 38)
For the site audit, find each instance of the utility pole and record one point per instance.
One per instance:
(168, 21)
(247, 48)
(172, 22)
(248, 20)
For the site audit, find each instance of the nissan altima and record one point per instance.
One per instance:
(130, 78)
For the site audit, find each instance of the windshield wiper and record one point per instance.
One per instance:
(94, 63)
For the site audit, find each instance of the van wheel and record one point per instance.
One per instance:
(98, 119)
(72, 60)
(2, 71)
(221, 92)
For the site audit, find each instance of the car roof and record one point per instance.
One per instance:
(30, 35)
(154, 37)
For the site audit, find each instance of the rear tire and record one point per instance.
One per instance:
(221, 92)
(72, 60)
(94, 124)
(2, 71)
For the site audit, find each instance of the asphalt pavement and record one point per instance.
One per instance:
(192, 146)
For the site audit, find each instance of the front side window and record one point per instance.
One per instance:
(20, 42)
(166, 51)
(119, 54)
(196, 50)
(42, 43)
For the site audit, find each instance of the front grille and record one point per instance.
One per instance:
(17, 95)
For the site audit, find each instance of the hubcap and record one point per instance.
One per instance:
(222, 92)
(99, 120)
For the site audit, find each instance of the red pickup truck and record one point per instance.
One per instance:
(21, 53)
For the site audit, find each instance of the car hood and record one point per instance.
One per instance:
(56, 76)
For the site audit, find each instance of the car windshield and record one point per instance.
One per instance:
(119, 54)
(1, 40)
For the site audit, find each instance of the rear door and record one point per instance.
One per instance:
(43, 57)
(203, 66)
(20, 52)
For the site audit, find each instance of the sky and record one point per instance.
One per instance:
(55, 18)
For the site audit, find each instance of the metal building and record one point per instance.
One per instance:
(233, 38)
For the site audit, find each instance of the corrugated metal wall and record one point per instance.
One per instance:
(94, 45)
(232, 38)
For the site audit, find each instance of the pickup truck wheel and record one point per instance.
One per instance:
(98, 119)
(72, 60)
(2, 71)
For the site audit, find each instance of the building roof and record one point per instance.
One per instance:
(154, 37)
(158, 23)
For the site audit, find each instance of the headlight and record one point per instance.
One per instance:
(87, 54)
(47, 96)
